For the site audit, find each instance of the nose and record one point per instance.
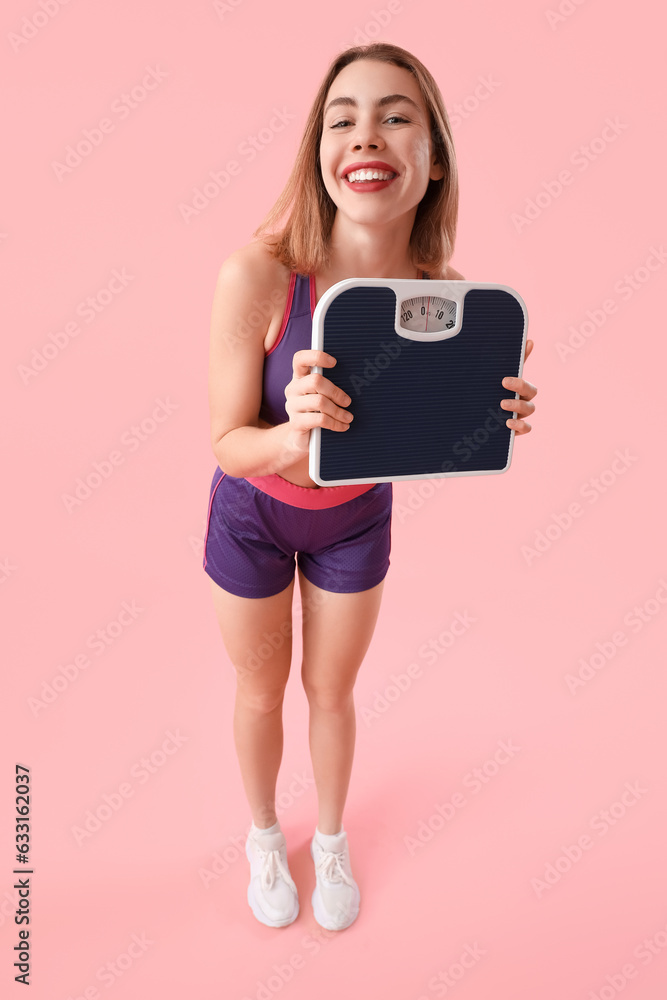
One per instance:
(366, 135)
(360, 144)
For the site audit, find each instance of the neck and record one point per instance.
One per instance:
(371, 251)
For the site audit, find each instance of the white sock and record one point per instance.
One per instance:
(269, 829)
(329, 841)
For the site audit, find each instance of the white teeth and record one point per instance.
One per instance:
(369, 175)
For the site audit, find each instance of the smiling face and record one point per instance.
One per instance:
(381, 125)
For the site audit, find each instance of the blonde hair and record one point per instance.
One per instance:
(302, 244)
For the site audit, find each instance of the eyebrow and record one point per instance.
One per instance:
(389, 99)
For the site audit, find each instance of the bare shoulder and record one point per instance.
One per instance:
(260, 274)
(250, 295)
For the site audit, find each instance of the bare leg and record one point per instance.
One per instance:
(336, 637)
(262, 673)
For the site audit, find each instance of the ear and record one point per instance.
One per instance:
(437, 170)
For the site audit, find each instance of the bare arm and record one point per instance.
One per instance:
(245, 445)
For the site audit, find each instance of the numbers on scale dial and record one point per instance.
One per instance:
(428, 313)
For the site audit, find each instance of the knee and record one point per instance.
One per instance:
(329, 699)
(261, 701)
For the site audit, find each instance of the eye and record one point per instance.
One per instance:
(346, 121)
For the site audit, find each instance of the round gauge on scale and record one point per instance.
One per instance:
(428, 314)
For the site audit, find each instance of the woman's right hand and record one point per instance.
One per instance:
(312, 400)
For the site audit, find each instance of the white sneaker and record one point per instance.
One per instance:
(272, 894)
(336, 895)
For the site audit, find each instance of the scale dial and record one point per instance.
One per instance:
(428, 314)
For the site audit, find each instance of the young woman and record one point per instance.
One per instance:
(373, 193)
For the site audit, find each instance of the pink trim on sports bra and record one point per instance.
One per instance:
(288, 309)
(310, 497)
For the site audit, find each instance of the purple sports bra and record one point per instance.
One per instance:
(295, 335)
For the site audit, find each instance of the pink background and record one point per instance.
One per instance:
(471, 887)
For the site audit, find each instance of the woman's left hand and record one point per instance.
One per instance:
(521, 406)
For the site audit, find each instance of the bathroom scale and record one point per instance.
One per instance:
(422, 362)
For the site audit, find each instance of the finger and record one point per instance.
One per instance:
(319, 403)
(304, 360)
(332, 416)
(519, 426)
(317, 383)
(529, 347)
(525, 389)
(522, 406)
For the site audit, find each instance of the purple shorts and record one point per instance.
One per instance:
(252, 539)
